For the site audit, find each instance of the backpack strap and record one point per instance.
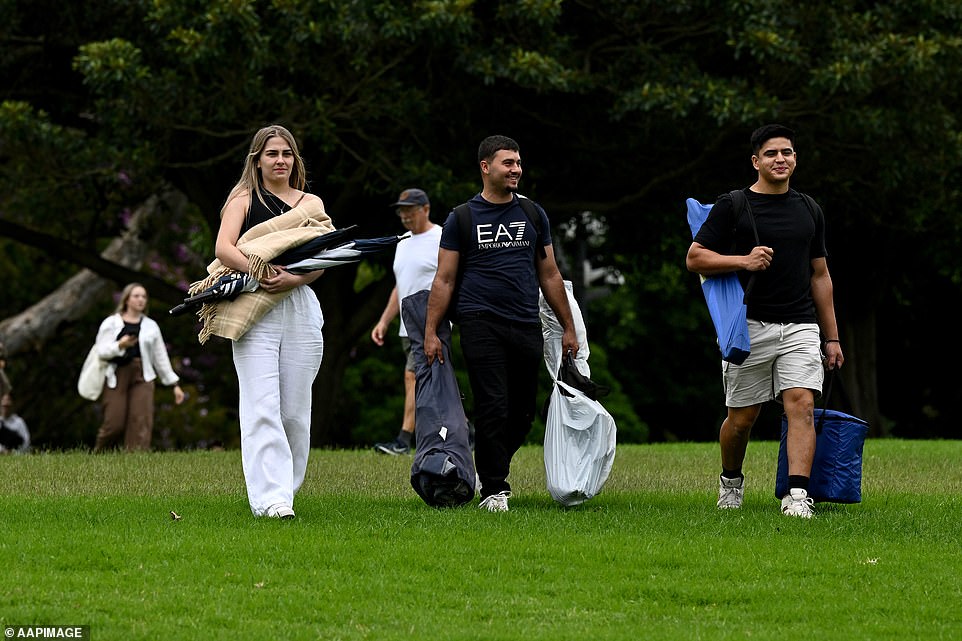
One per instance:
(462, 215)
(531, 211)
(810, 203)
(740, 204)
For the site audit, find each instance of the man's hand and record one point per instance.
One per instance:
(569, 342)
(833, 355)
(759, 259)
(433, 348)
(377, 334)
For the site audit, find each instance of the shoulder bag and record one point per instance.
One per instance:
(92, 374)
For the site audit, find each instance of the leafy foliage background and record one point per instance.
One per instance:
(623, 108)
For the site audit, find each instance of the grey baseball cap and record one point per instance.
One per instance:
(411, 197)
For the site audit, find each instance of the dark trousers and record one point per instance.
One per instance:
(128, 410)
(503, 359)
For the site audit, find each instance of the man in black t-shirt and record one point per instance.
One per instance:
(791, 313)
(498, 312)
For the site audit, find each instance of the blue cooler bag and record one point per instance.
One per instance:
(837, 469)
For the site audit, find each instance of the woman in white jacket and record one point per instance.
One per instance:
(135, 352)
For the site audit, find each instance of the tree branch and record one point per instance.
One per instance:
(101, 266)
(117, 264)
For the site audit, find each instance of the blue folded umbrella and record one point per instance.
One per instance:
(725, 298)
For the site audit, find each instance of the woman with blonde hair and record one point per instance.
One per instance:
(136, 354)
(279, 354)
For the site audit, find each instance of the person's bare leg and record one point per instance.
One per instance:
(734, 434)
(799, 406)
(410, 383)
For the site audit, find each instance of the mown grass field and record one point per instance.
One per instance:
(89, 540)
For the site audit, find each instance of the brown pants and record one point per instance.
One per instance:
(128, 410)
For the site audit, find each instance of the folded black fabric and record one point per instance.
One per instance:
(570, 375)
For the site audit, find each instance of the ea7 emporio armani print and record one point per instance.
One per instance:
(501, 236)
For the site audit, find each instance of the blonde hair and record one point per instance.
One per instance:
(125, 296)
(251, 181)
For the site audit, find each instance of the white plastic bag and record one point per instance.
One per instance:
(579, 436)
(579, 446)
(552, 332)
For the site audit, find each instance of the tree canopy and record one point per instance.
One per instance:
(622, 109)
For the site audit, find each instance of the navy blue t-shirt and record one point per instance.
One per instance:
(783, 292)
(499, 271)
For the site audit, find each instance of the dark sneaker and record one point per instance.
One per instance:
(393, 448)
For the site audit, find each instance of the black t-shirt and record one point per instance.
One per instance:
(783, 292)
(499, 269)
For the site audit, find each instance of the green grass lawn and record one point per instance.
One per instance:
(89, 540)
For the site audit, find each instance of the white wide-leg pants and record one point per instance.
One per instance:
(276, 362)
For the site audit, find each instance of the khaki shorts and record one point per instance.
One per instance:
(783, 356)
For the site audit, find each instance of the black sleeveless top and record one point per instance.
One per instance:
(259, 213)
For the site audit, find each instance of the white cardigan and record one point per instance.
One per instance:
(153, 351)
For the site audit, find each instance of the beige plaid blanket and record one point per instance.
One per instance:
(261, 244)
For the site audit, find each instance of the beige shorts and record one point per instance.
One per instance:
(783, 356)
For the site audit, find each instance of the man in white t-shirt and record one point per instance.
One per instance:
(415, 262)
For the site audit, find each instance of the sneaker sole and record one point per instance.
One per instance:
(387, 450)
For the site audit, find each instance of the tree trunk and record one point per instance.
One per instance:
(859, 375)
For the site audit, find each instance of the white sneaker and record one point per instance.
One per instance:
(496, 502)
(283, 512)
(798, 503)
(730, 492)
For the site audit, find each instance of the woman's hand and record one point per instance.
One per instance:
(127, 341)
(280, 280)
